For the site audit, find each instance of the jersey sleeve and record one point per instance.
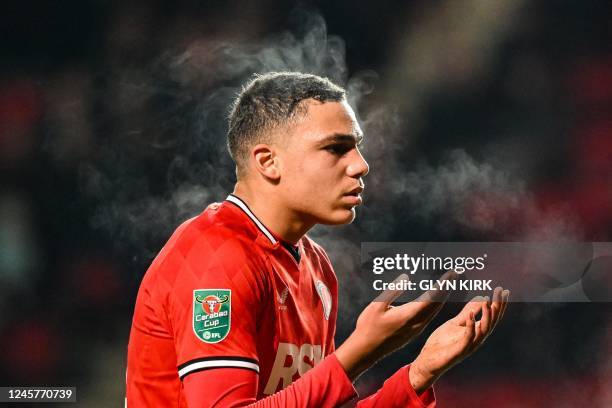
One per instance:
(215, 304)
(398, 392)
(324, 386)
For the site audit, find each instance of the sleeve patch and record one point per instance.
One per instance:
(212, 314)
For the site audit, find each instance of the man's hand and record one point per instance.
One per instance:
(457, 339)
(382, 328)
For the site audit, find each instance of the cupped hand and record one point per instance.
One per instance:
(456, 339)
(383, 328)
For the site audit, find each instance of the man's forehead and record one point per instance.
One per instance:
(329, 119)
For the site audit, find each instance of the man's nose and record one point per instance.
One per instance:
(358, 167)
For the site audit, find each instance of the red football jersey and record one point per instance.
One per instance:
(225, 292)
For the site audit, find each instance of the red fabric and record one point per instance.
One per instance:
(278, 320)
(397, 392)
(283, 321)
(325, 386)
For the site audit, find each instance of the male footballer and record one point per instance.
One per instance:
(240, 306)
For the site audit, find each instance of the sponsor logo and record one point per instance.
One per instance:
(302, 359)
(212, 314)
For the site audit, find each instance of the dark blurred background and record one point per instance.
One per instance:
(485, 121)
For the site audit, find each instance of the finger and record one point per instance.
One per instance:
(473, 306)
(427, 305)
(418, 311)
(441, 292)
(484, 325)
(390, 295)
(502, 295)
(424, 308)
(470, 330)
(496, 307)
(505, 298)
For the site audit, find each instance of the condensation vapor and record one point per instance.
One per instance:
(165, 158)
(482, 199)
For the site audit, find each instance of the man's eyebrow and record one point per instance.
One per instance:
(341, 138)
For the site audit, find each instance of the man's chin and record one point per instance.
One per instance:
(340, 217)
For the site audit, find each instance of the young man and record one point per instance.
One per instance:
(240, 306)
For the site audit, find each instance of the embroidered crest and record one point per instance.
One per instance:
(325, 296)
(212, 314)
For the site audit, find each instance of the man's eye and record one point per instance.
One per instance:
(338, 149)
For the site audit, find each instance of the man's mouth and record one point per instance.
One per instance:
(353, 197)
(356, 191)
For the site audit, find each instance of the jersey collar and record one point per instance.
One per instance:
(245, 208)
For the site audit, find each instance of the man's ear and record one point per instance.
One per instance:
(266, 161)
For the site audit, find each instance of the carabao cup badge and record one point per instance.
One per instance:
(212, 314)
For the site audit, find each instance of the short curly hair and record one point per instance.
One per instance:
(271, 100)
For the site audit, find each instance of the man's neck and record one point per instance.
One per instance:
(276, 216)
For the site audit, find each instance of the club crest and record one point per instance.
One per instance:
(325, 296)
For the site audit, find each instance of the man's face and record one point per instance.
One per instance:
(321, 165)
